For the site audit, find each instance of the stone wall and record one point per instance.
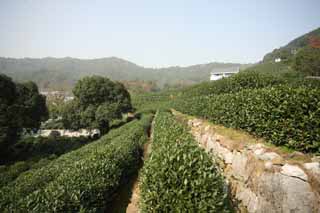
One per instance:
(261, 179)
(69, 133)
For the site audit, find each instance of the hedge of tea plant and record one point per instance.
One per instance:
(179, 176)
(151, 101)
(283, 115)
(35, 148)
(82, 180)
(9, 173)
(235, 83)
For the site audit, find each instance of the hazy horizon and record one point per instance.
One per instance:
(101, 58)
(153, 34)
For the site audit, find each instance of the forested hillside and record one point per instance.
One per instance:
(62, 73)
(287, 51)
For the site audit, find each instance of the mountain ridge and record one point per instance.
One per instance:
(62, 72)
(288, 50)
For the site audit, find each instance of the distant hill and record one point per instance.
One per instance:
(292, 47)
(62, 73)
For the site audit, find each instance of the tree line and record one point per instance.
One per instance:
(97, 102)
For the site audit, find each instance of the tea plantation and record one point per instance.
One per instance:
(179, 176)
(82, 180)
(284, 111)
(283, 115)
(73, 175)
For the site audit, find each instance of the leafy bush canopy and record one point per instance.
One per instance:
(97, 102)
(83, 180)
(243, 80)
(283, 115)
(282, 109)
(21, 107)
(179, 176)
(307, 61)
(30, 153)
(96, 90)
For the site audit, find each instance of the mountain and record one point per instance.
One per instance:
(292, 47)
(61, 73)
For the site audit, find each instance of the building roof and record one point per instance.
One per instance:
(225, 71)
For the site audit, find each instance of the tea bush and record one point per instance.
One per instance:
(179, 176)
(81, 180)
(34, 148)
(235, 83)
(32, 152)
(283, 115)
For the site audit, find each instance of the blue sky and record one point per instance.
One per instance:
(153, 33)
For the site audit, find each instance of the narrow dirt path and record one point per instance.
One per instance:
(133, 206)
(127, 197)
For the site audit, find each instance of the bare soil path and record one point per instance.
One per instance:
(127, 198)
(133, 206)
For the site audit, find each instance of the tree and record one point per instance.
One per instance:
(21, 107)
(8, 122)
(97, 102)
(88, 117)
(307, 61)
(71, 115)
(32, 106)
(106, 113)
(96, 90)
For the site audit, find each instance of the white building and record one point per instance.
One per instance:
(69, 133)
(68, 98)
(216, 75)
(277, 60)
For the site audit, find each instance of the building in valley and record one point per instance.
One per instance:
(223, 73)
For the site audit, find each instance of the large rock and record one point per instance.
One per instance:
(313, 167)
(269, 156)
(280, 193)
(294, 171)
(239, 163)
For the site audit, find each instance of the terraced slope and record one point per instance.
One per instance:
(81, 180)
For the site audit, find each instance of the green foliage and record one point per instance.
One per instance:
(179, 176)
(222, 102)
(151, 101)
(9, 173)
(62, 73)
(287, 52)
(303, 40)
(21, 107)
(96, 90)
(32, 105)
(307, 61)
(52, 124)
(271, 68)
(32, 152)
(283, 53)
(82, 180)
(8, 123)
(55, 106)
(106, 113)
(244, 80)
(97, 102)
(71, 115)
(283, 74)
(283, 115)
(37, 148)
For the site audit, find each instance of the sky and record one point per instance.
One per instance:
(153, 33)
